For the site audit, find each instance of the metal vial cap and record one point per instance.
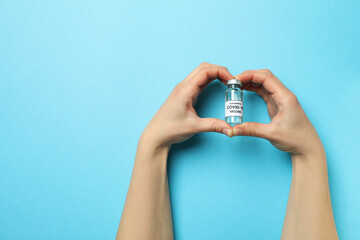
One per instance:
(234, 81)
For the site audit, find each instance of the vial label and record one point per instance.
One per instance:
(233, 108)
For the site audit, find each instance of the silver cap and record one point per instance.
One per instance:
(234, 81)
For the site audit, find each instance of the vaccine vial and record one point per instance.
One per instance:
(234, 102)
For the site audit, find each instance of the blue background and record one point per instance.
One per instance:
(79, 80)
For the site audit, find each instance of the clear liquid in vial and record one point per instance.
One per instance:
(233, 104)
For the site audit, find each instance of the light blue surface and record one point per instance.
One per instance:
(70, 119)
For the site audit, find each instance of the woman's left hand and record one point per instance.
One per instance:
(177, 120)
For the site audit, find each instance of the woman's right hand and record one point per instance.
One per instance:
(289, 130)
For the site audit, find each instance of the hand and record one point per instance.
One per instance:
(176, 120)
(289, 130)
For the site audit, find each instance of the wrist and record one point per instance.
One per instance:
(310, 148)
(310, 161)
(152, 141)
(150, 150)
(154, 136)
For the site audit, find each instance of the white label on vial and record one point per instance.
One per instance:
(233, 108)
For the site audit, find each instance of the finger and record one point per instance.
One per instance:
(206, 73)
(260, 91)
(262, 77)
(253, 129)
(203, 64)
(246, 85)
(214, 125)
(271, 104)
(270, 83)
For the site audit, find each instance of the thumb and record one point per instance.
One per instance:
(214, 125)
(253, 129)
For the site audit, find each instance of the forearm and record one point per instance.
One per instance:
(309, 213)
(147, 211)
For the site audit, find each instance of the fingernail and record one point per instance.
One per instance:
(237, 131)
(227, 132)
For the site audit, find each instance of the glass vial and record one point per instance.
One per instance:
(234, 103)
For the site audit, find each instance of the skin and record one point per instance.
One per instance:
(309, 213)
(147, 210)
